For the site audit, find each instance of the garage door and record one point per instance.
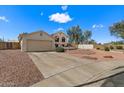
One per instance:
(39, 45)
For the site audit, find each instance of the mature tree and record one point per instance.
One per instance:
(86, 36)
(82, 38)
(92, 41)
(117, 29)
(74, 34)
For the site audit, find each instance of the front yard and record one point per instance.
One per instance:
(23, 69)
(17, 69)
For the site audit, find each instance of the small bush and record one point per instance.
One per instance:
(119, 47)
(98, 48)
(111, 47)
(106, 49)
(60, 49)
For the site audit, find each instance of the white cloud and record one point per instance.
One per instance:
(95, 26)
(3, 18)
(60, 17)
(59, 29)
(41, 13)
(64, 7)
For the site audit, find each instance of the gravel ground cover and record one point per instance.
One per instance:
(17, 69)
(97, 55)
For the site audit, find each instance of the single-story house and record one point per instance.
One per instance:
(36, 41)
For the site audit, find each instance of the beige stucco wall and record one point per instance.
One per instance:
(85, 46)
(37, 37)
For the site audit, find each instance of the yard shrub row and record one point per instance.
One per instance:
(108, 48)
(119, 47)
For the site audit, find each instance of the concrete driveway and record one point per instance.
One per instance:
(52, 63)
(61, 69)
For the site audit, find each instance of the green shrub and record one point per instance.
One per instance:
(60, 49)
(119, 47)
(111, 47)
(106, 49)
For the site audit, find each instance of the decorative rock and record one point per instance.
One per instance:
(108, 56)
(89, 57)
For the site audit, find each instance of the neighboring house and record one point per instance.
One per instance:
(61, 39)
(36, 41)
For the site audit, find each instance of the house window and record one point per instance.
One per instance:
(56, 39)
(63, 39)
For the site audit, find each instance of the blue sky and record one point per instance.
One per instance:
(18, 19)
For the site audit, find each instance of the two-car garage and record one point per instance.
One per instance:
(39, 45)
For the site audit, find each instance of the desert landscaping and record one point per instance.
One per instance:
(17, 69)
(96, 55)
